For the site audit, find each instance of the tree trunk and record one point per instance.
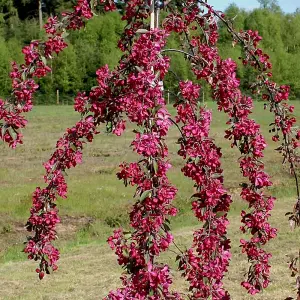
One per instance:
(40, 14)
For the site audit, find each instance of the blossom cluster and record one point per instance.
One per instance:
(145, 106)
(205, 264)
(43, 214)
(275, 95)
(136, 12)
(244, 134)
(44, 218)
(284, 127)
(96, 107)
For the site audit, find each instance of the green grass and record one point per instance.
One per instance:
(98, 202)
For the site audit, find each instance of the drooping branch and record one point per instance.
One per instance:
(244, 132)
(96, 107)
(145, 106)
(277, 96)
(99, 106)
(206, 262)
(151, 235)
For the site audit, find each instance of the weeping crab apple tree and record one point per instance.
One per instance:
(132, 92)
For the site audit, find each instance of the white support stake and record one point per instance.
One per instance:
(152, 15)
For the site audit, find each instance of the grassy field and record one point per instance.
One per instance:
(98, 203)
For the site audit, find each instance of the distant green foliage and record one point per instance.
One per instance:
(96, 45)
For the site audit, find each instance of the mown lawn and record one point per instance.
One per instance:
(98, 203)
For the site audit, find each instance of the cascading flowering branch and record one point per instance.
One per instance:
(276, 95)
(141, 99)
(284, 127)
(145, 106)
(205, 264)
(244, 133)
(44, 214)
(133, 90)
(97, 107)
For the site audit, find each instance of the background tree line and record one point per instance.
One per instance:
(94, 46)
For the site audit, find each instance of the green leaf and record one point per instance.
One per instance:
(145, 194)
(157, 75)
(216, 175)
(109, 127)
(206, 280)
(166, 227)
(64, 34)
(12, 133)
(220, 214)
(32, 69)
(73, 147)
(23, 76)
(155, 166)
(141, 30)
(3, 129)
(139, 130)
(44, 60)
(139, 68)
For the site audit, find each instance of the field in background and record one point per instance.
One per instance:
(98, 203)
